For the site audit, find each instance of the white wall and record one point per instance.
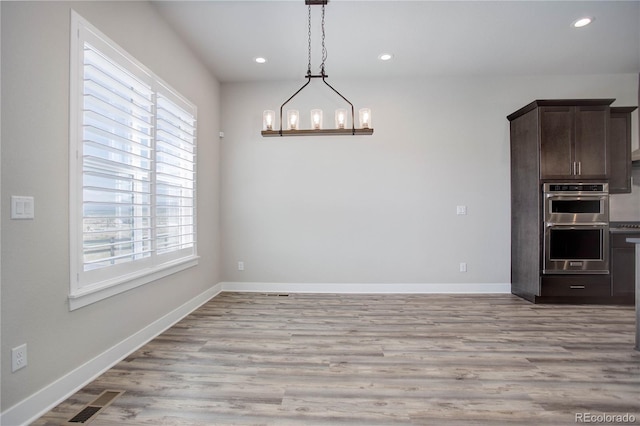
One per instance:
(35, 259)
(381, 208)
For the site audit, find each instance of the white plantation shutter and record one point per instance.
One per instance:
(118, 120)
(133, 177)
(175, 176)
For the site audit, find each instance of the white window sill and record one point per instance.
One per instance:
(83, 298)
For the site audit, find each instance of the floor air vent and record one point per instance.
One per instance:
(89, 412)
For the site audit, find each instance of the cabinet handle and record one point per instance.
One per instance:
(579, 167)
(576, 287)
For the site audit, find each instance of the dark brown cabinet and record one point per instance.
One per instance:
(620, 140)
(623, 262)
(574, 141)
(553, 140)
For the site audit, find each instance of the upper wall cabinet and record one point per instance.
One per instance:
(573, 142)
(620, 140)
(573, 137)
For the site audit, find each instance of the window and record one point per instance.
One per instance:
(132, 171)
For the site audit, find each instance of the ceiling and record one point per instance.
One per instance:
(433, 38)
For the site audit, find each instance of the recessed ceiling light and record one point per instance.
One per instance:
(260, 60)
(582, 22)
(385, 56)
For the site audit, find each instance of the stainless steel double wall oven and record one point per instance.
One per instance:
(576, 228)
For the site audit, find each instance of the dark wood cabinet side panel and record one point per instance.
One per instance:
(525, 206)
(591, 141)
(556, 136)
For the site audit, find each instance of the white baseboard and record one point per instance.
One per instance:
(33, 407)
(365, 288)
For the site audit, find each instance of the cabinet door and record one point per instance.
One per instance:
(556, 140)
(591, 142)
(623, 277)
(623, 265)
(620, 146)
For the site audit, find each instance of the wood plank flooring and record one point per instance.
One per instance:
(317, 359)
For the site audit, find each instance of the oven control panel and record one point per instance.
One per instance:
(576, 187)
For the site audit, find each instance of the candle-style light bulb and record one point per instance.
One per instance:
(292, 116)
(365, 118)
(316, 119)
(341, 118)
(268, 117)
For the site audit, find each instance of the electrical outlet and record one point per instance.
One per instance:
(461, 210)
(240, 266)
(463, 267)
(18, 357)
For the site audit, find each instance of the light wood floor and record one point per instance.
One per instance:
(307, 359)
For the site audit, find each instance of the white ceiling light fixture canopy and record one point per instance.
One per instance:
(385, 56)
(316, 114)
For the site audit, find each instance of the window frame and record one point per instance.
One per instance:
(88, 287)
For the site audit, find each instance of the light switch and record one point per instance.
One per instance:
(461, 210)
(22, 207)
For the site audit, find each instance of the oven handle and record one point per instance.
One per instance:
(578, 197)
(576, 225)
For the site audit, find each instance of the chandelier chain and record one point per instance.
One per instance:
(324, 47)
(309, 43)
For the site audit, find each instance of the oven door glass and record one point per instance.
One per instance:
(576, 206)
(575, 244)
(566, 209)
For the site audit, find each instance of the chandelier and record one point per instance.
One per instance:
(341, 114)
